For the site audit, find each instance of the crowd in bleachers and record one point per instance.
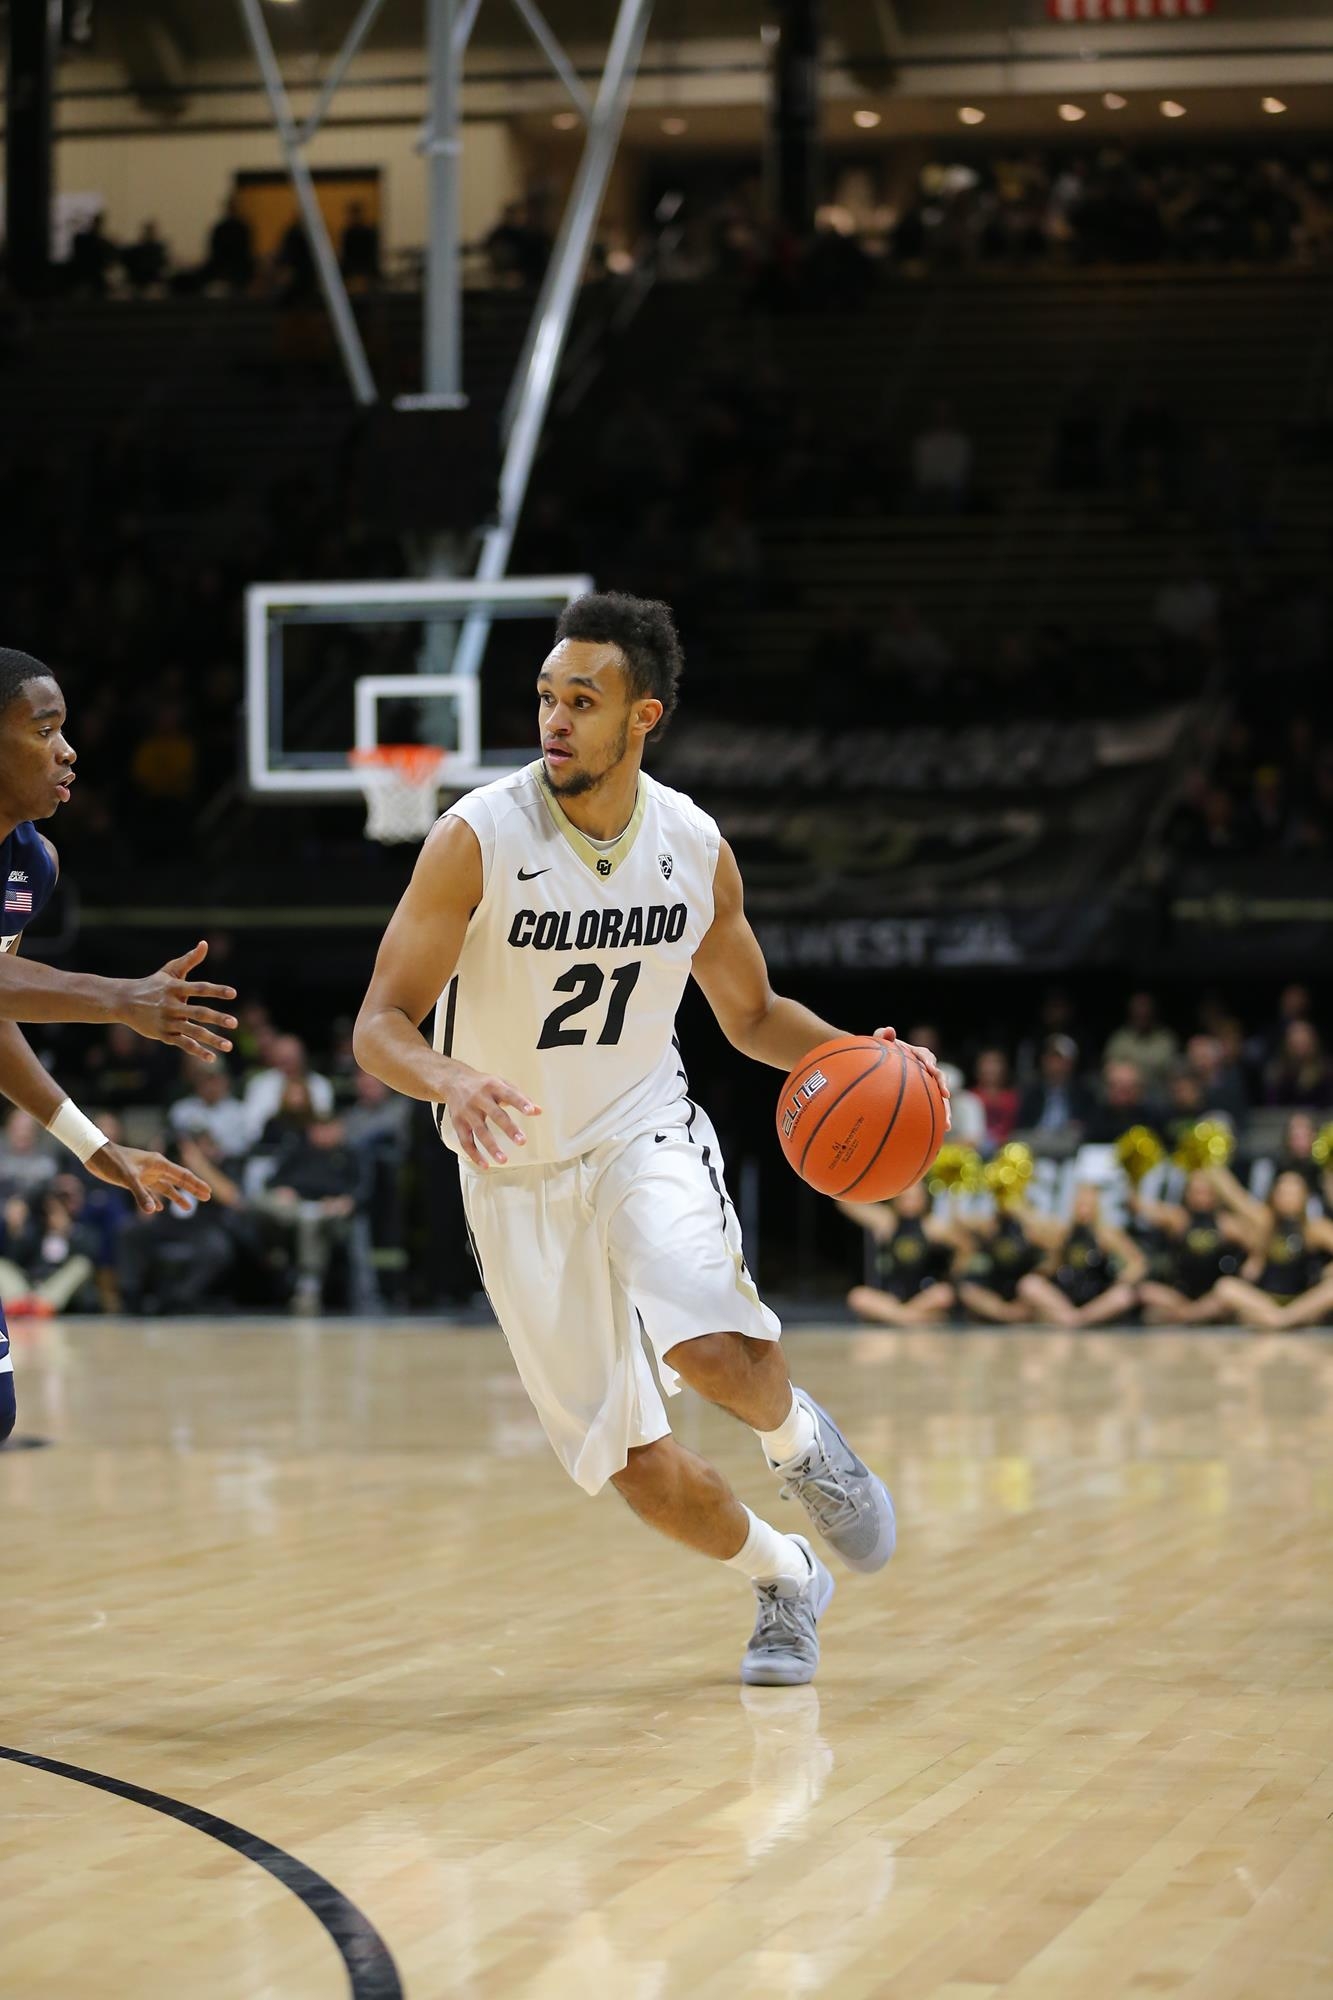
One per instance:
(1116, 205)
(1178, 1178)
(1268, 790)
(307, 1161)
(305, 1168)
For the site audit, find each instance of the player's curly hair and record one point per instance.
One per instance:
(16, 669)
(646, 634)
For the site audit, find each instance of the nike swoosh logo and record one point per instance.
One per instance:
(523, 876)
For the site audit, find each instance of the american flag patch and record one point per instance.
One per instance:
(18, 902)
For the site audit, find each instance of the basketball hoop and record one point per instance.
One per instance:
(401, 782)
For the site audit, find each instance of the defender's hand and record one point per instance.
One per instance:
(150, 1178)
(166, 1007)
(925, 1056)
(477, 1102)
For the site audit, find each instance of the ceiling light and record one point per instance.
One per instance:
(1272, 105)
(1072, 113)
(867, 120)
(565, 121)
(675, 126)
(1114, 101)
(968, 114)
(1170, 109)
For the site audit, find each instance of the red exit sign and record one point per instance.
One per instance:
(1128, 10)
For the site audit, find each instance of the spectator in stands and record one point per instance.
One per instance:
(27, 1157)
(289, 1062)
(1057, 1015)
(313, 1196)
(145, 260)
(1187, 606)
(377, 1123)
(1220, 1080)
(728, 559)
(1266, 820)
(122, 1071)
(177, 1261)
(1144, 1040)
(943, 463)
(1300, 1073)
(212, 1106)
(1123, 1100)
(1184, 1105)
(1295, 1155)
(999, 1099)
(231, 250)
(360, 249)
(45, 1258)
(254, 1036)
(911, 647)
(91, 256)
(1055, 1108)
(165, 762)
(294, 265)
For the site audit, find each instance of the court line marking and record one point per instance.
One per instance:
(371, 1972)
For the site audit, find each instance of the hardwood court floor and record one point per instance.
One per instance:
(327, 1584)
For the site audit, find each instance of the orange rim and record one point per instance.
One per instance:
(413, 760)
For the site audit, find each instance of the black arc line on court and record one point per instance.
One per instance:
(371, 1972)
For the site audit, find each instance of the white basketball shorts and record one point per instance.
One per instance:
(583, 1260)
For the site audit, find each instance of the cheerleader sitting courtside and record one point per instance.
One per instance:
(1092, 1269)
(1285, 1282)
(1201, 1244)
(914, 1254)
(1006, 1251)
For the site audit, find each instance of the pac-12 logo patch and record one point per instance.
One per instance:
(604, 866)
(666, 864)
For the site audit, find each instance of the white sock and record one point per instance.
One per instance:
(767, 1555)
(793, 1436)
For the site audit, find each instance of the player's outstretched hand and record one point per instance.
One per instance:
(151, 1179)
(168, 1007)
(928, 1058)
(477, 1102)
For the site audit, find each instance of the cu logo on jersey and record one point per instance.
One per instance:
(604, 866)
(666, 864)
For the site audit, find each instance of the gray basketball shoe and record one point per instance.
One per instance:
(784, 1646)
(847, 1503)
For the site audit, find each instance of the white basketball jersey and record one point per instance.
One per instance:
(575, 960)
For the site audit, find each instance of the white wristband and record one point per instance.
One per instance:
(76, 1131)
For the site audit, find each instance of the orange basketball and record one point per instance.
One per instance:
(861, 1119)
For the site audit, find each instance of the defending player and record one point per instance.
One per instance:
(555, 917)
(36, 772)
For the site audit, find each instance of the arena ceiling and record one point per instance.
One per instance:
(316, 27)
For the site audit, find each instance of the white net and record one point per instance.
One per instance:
(401, 784)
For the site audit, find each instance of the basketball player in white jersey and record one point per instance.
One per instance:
(552, 921)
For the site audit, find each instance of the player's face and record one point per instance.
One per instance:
(36, 762)
(589, 725)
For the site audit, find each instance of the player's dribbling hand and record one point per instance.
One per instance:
(166, 1007)
(150, 1178)
(477, 1102)
(927, 1057)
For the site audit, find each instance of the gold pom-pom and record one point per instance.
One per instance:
(1138, 1151)
(1322, 1150)
(957, 1170)
(1207, 1144)
(1008, 1173)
